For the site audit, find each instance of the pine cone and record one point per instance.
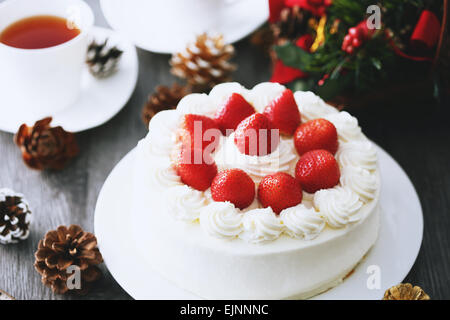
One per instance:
(67, 247)
(15, 217)
(164, 98)
(205, 62)
(45, 147)
(5, 296)
(291, 25)
(102, 60)
(405, 291)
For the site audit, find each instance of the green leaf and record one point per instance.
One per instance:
(293, 56)
(333, 87)
(376, 63)
(302, 85)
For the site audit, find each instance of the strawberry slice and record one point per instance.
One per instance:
(283, 113)
(279, 191)
(316, 170)
(255, 136)
(316, 134)
(196, 168)
(235, 186)
(193, 129)
(232, 112)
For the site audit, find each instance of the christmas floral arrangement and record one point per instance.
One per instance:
(351, 52)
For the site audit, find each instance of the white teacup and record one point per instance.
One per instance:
(35, 83)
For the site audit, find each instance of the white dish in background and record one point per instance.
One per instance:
(99, 99)
(391, 258)
(167, 26)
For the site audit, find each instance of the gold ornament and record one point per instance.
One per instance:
(320, 34)
(405, 291)
(205, 62)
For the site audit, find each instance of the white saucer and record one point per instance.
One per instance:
(393, 254)
(100, 99)
(167, 27)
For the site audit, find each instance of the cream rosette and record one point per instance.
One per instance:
(339, 206)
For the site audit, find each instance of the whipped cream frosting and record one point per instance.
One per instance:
(312, 106)
(359, 153)
(302, 222)
(165, 177)
(346, 125)
(336, 207)
(197, 103)
(261, 225)
(185, 203)
(163, 127)
(221, 220)
(283, 159)
(262, 94)
(339, 206)
(361, 181)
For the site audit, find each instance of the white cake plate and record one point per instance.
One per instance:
(389, 261)
(100, 99)
(167, 26)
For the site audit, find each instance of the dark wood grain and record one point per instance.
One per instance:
(420, 144)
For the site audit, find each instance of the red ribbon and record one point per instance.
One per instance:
(427, 30)
(316, 7)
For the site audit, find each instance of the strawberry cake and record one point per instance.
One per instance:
(255, 194)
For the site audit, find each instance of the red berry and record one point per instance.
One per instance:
(283, 113)
(316, 170)
(235, 186)
(356, 42)
(196, 168)
(279, 191)
(233, 111)
(354, 32)
(255, 136)
(192, 132)
(350, 50)
(316, 134)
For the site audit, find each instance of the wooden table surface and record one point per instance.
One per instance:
(420, 145)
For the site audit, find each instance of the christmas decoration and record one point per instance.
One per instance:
(405, 291)
(62, 253)
(5, 296)
(15, 217)
(356, 37)
(102, 60)
(263, 38)
(46, 147)
(163, 98)
(291, 24)
(358, 55)
(205, 62)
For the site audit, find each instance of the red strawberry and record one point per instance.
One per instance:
(192, 132)
(316, 134)
(316, 170)
(283, 112)
(233, 111)
(235, 186)
(279, 191)
(196, 168)
(255, 136)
